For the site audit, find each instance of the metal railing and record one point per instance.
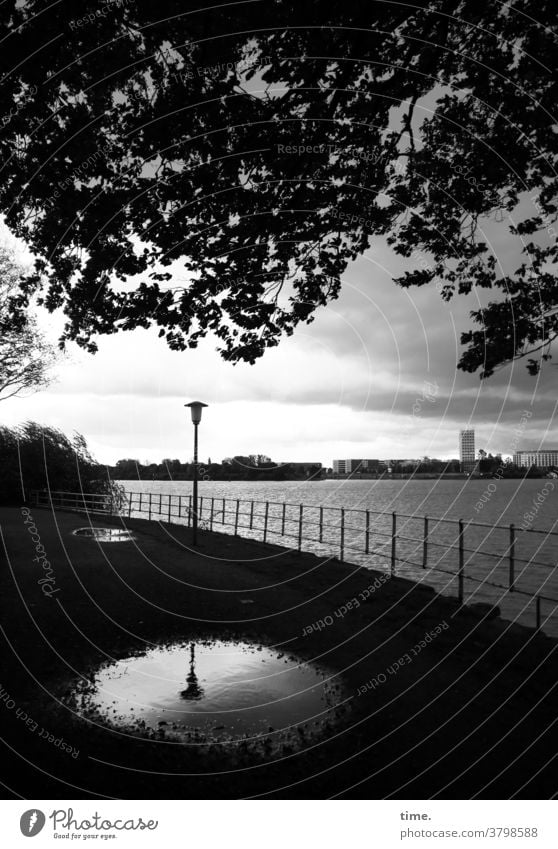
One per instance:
(80, 502)
(451, 554)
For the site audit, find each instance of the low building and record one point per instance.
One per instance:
(350, 467)
(542, 458)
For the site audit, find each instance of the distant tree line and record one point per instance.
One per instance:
(494, 466)
(254, 467)
(487, 465)
(427, 465)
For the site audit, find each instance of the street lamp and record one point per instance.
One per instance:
(196, 410)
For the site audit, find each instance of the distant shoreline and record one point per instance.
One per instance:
(358, 477)
(434, 476)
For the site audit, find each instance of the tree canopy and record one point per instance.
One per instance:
(36, 457)
(259, 147)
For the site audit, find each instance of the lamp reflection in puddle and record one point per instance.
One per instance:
(193, 691)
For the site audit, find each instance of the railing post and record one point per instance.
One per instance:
(223, 522)
(342, 546)
(160, 504)
(265, 519)
(367, 534)
(236, 517)
(512, 557)
(201, 506)
(169, 514)
(283, 520)
(130, 504)
(393, 539)
(321, 524)
(189, 510)
(425, 544)
(140, 507)
(252, 514)
(300, 526)
(211, 514)
(150, 497)
(180, 507)
(461, 573)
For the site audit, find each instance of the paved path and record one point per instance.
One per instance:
(471, 714)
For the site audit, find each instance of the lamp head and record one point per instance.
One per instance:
(196, 410)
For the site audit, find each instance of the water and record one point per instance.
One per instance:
(207, 691)
(482, 504)
(453, 499)
(105, 534)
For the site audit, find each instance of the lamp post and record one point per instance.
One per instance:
(196, 410)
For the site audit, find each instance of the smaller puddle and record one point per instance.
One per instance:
(105, 534)
(213, 691)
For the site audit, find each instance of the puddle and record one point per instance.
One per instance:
(204, 692)
(105, 534)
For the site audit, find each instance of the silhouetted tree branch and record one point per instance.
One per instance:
(136, 142)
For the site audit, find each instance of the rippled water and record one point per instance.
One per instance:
(487, 508)
(207, 691)
(455, 499)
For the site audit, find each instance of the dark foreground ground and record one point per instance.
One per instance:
(474, 714)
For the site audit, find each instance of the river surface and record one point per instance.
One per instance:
(491, 561)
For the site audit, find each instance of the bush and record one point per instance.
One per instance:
(36, 457)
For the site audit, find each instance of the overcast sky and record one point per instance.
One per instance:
(352, 384)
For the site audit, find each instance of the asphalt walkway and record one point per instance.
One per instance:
(471, 713)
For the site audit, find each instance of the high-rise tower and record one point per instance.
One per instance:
(467, 449)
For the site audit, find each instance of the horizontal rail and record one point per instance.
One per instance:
(343, 537)
(363, 511)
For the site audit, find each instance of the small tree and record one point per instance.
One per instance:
(25, 356)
